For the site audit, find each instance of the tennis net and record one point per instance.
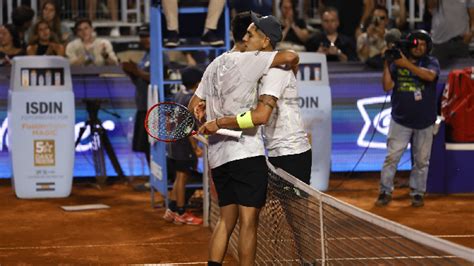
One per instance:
(302, 226)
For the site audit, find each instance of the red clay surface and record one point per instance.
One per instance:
(40, 232)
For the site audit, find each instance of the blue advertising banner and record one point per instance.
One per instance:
(360, 115)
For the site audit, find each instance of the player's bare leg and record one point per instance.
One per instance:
(222, 232)
(248, 234)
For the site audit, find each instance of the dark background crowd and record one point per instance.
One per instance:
(343, 30)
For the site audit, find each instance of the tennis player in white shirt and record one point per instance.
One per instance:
(285, 139)
(238, 167)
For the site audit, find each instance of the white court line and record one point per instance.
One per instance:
(104, 245)
(392, 258)
(183, 243)
(177, 263)
(393, 237)
(370, 258)
(454, 236)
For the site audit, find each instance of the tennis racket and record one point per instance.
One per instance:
(170, 121)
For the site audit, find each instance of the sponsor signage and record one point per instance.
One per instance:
(315, 103)
(41, 118)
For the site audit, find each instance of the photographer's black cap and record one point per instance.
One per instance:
(270, 26)
(144, 30)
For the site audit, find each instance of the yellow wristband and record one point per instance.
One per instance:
(245, 120)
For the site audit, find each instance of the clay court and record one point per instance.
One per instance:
(40, 232)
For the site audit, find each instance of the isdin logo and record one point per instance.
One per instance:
(81, 147)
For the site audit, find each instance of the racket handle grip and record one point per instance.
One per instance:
(230, 133)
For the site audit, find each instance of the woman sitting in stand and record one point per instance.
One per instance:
(44, 41)
(10, 45)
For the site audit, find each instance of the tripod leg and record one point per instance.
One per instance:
(110, 152)
(98, 155)
(81, 132)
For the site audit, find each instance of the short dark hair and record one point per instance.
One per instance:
(22, 15)
(79, 21)
(190, 76)
(239, 25)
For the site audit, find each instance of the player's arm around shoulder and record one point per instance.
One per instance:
(288, 58)
(252, 118)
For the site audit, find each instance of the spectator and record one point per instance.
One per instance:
(44, 41)
(412, 80)
(399, 12)
(10, 44)
(89, 50)
(371, 44)
(336, 46)
(22, 18)
(50, 14)
(352, 13)
(209, 37)
(452, 28)
(140, 76)
(295, 33)
(183, 155)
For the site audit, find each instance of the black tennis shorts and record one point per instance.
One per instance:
(243, 182)
(297, 165)
(182, 165)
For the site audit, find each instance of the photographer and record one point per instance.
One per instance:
(412, 79)
(371, 44)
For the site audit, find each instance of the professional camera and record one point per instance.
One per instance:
(397, 45)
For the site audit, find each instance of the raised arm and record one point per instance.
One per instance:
(387, 77)
(288, 58)
(423, 73)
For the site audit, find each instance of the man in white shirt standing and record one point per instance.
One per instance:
(239, 171)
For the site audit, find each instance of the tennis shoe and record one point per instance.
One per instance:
(170, 215)
(211, 38)
(187, 218)
(417, 201)
(383, 199)
(173, 39)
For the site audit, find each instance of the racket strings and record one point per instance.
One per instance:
(170, 122)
